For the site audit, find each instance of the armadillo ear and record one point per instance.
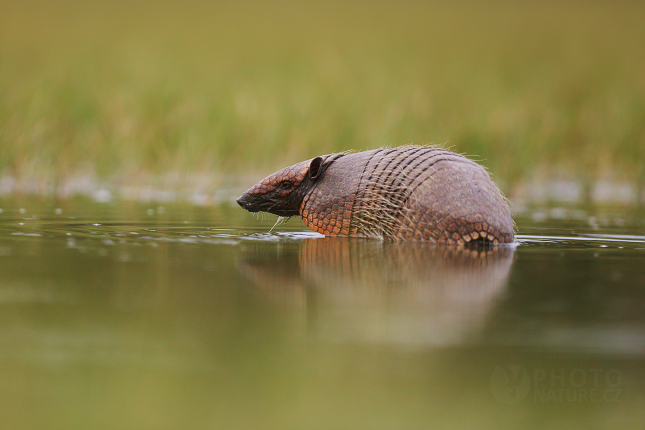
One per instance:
(315, 167)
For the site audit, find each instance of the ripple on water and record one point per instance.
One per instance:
(108, 232)
(592, 240)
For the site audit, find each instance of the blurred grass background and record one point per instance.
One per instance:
(120, 91)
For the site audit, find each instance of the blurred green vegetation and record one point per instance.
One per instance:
(116, 89)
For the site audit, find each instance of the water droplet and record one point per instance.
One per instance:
(0, 210)
(22, 210)
(58, 211)
(150, 212)
(280, 218)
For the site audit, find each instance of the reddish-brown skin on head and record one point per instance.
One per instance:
(281, 192)
(294, 174)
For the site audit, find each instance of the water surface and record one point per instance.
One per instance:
(134, 315)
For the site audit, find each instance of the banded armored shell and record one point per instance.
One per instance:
(410, 192)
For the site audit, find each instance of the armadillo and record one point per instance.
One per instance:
(410, 192)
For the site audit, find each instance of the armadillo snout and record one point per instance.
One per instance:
(245, 202)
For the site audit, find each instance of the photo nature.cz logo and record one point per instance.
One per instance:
(510, 384)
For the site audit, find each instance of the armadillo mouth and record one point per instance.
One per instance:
(246, 204)
(262, 203)
(253, 204)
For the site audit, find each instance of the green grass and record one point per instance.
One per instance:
(118, 90)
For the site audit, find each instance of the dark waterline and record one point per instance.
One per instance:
(136, 315)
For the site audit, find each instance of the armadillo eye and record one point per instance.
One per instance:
(286, 185)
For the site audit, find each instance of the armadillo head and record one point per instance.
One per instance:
(281, 193)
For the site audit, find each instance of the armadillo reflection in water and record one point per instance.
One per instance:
(403, 292)
(410, 192)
